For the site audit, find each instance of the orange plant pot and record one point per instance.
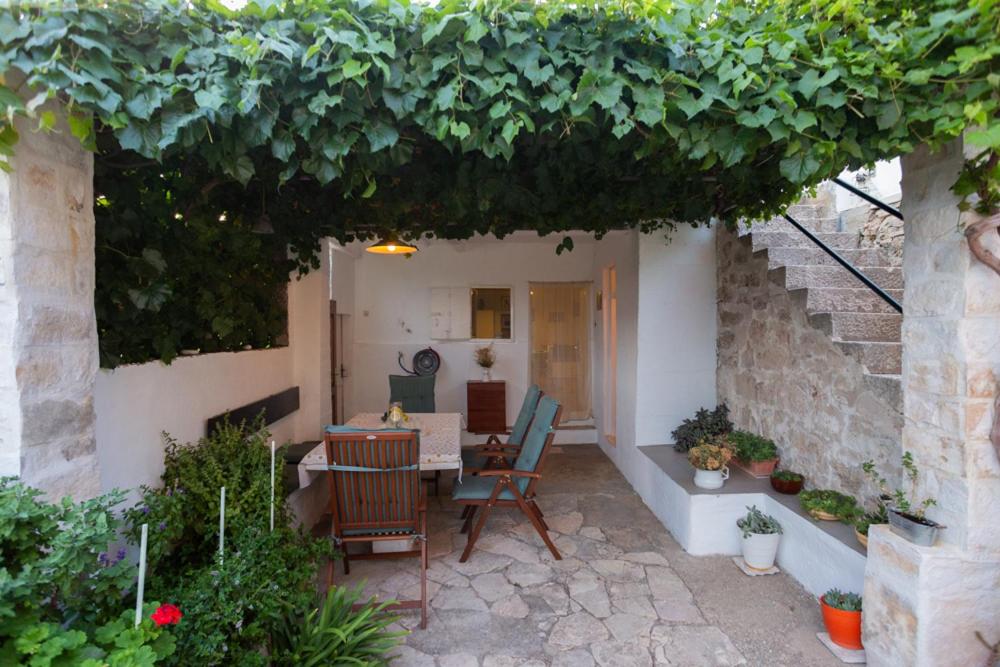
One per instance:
(758, 469)
(844, 627)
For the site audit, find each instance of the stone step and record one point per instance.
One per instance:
(799, 276)
(820, 225)
(887, 386)
(816, 257)
(878, 327)
(877, 358)
(844, 300)
(796, 239)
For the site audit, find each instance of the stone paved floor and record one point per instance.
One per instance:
(625, 594)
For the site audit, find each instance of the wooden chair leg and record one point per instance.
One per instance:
(487, 508)
(535, 521)
(538, 512)
(465, 511)
(347, 562)
(468, 520)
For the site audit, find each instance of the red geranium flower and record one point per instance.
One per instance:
(166, 614)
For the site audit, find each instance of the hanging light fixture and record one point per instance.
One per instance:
(390, 245)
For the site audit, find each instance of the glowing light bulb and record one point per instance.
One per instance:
(392, 247)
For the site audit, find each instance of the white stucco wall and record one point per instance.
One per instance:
(136, 403)
(391, 312)
(676, 340)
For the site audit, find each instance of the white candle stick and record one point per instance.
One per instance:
(222, 522)
(142, 575)
(272, 486)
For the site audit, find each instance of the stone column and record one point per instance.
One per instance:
(923, 605)
(48, 332)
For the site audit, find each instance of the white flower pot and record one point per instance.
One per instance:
(759, 550)
(710, 479)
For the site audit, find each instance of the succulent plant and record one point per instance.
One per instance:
(758, 523)
(705, 424)
(839, 600)
(752, 447)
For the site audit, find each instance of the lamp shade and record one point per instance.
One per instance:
(391, 246)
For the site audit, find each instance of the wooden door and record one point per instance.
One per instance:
(334, 362)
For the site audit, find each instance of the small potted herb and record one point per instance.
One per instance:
(753, 453)
(786, 481)
(761, 535)
(829, 505)
(842, 618)
(906, 515)
(710, 458)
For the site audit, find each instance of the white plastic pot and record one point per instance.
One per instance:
(759, 550)
(710, 479)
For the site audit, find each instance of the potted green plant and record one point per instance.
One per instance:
(761, 534)
(710, 458)
(705, 424)
(906, 514)
(842, 618)
(755, 454)
(877, 516)
(786, 481)
(829, 505)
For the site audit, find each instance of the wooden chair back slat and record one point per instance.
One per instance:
(384, 495)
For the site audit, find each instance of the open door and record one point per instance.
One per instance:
(560, 344)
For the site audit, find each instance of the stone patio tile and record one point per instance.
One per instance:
(590, 592)
(513, 607)
(503, 545)
(637, 605)
(620, 654)
(694, 646)
(528, 574)
(458, 660)
(579, 629)
(492, 586)
(458, 598)
(510, 661)
(646, 558)
(480, 562)
(593, 533)
(575, 658)
(629, 627)
(406, 655)
(618, 570)
(567, 524)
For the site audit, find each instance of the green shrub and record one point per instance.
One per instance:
(840, 505)
(705, 424)
(751, 447)
(840, 600)
(61, 595)
(787, 475)
(335, 635)
(231, 608)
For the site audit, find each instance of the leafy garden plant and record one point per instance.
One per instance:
(900, 500)
(787, 475)
(828, 501)
(752, 447)
(705, 424)
(63, 599)
(757, 523)
(844, 601)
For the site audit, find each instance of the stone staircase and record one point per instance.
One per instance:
(858, 321)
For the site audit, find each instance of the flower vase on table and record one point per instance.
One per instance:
(395, 416)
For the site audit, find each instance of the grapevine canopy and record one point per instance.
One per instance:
(469, 116)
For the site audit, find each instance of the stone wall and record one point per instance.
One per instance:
(788, 381)
(48, 332)
(923, 605)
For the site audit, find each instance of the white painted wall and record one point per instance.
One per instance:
(392, 312)
(134, 404)
(676, 339)
(885, 185)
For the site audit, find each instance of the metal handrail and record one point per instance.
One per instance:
(847, 265)
(868, 198)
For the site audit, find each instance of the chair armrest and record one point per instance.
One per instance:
(498, 472)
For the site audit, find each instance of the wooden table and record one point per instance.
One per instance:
(440, 442)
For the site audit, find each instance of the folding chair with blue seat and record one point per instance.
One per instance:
(494, 452)
(376, 496)
(512, 486)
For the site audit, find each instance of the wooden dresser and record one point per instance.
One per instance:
(487, 406)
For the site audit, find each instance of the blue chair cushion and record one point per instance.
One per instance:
(480, 488)
(415, 392)
(471, 458)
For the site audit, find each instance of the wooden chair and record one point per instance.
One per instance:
(375, 496)
(494, 452)
(512, 486)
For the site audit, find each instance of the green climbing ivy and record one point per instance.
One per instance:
(468, 115)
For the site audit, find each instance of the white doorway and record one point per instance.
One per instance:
(560, 345)
(609, 339)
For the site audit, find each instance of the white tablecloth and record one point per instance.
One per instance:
(440, 442)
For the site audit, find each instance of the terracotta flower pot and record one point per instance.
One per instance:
(757, 468)
(862, 538)
(843, 626)
(788, 486)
